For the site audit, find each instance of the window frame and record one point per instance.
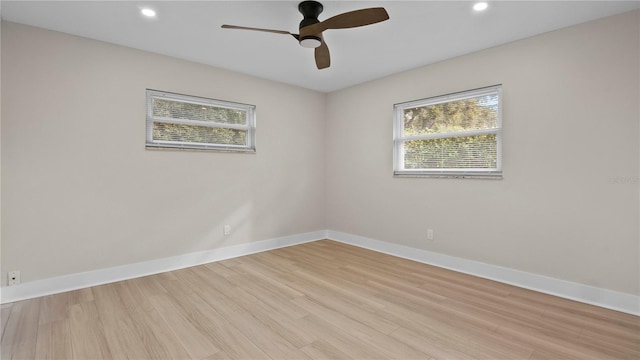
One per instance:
(249, 126)
(399, 139)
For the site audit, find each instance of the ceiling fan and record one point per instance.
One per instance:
(311, 28)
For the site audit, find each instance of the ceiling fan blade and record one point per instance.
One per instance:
(323, 60)
(349, 19)
(262, 30)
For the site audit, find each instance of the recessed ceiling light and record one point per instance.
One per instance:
(480, 6)
(148, 12)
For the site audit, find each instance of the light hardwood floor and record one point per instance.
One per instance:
(318, 300)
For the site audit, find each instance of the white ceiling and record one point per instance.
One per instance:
(418, 32)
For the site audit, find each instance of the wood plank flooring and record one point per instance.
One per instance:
(321, 300)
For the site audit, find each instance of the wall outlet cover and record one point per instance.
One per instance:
(13, 277)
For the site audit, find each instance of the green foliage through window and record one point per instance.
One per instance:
(453, 134)
(182, 121)
(461, 115)
(189, 111)
(198, 134)
(451, 153)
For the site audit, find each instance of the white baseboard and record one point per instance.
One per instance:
(587, 294)
(583, 293)
(32, 289)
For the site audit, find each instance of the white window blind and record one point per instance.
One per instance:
(455, 135)
(191, 122)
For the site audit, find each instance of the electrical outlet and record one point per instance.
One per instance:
(14, 277)
(226, 230)
(429, 234)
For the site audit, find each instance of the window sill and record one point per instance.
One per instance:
(185, 148)
(449, 176)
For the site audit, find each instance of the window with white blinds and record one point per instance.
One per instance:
(191, 122)
(455, 135)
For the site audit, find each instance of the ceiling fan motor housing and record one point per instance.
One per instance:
(310, 11)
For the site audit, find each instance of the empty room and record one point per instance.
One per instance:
(320, 180)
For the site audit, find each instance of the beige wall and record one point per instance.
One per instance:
(79, 190)
(568, 205)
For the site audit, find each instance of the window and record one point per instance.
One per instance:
(455, 135)
(190, 122)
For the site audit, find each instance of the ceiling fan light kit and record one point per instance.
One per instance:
(310, 41)
(311, 28)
